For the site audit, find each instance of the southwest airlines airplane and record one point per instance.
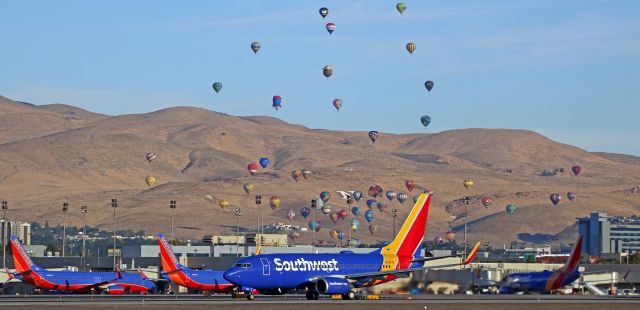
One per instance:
(545, 281)
(331, 274)
(112, 283)
(203, 280)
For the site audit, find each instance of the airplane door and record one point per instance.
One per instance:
(266, 267)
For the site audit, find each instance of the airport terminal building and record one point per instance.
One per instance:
(605, 234)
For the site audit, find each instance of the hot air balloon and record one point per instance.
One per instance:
(510, 208)
(571, 196)
(264, 162)
(150, 157)
(355, 211)
(357, 195)
(337, 103)
(209, 198)
(294, 235)
(334, 234)
(296, 175)
(555, 198)
(451, 235)
(468, 183)
(326, 209)
(425, 120)
(334, 216)
(355, 224)
(353, 242)
(150, 181)
(248, 187)
(327, 71)
(410, 184)
(314, 225)
(438, 240)
(323, 12)
(340, 235)
(391, 195)
(331, 27)
(429, 85)
(223, 203)
(375, 191)
(372, 203)
(373, 135)
(411, 47)
(415, 199)
(382, 206)
(319, 203)
(217, 86)
(401, 6)
(342, 214)
(487, 201)
(277, 102)
(305, 212)
(291, 214)
(306, 173)
(255, 46)
(274, 202)
(253, 168)
(402, 197)
(325, 196)
(369, 216)
(373, 228)
(576, 169)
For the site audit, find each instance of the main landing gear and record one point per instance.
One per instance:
(350, 295)
(312, 295)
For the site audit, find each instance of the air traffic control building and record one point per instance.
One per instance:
(603, 234)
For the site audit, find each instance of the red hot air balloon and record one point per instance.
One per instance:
(337, 103)
(410, 184)
(576, 169)
(486, 201)
(253, 168)
(555, 198)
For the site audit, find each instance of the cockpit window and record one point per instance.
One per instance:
(244, 266)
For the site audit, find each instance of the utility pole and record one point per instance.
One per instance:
(394, 214)
(65, 208)
(238, 213)
(114, 205)
(5, 206)
(349, 203)
(466, 200)
(83, 210)
(314, 205)
(172, 206)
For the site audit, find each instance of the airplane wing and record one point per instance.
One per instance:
(403, 273)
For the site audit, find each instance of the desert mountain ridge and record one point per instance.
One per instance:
(58, 153)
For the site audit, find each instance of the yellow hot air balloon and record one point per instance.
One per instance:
(223, 203)
(467, 183)
(150, 181)
(411, 47)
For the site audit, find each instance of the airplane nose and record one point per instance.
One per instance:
(231, 275)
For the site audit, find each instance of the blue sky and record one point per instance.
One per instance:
(567, 69)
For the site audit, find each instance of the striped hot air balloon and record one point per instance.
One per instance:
(331, 27)
(411, 47)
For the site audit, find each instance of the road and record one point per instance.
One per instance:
(291, 302)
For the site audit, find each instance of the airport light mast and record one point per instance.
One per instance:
(172, 206)
(349, 202)
(258, 203)
(314, 204)
(83, 210)
(238, 213)
(466, 200)
(114, 205)
(65, 208)
(394, 214)
(5, 206)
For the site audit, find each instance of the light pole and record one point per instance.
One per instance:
(65, 208)
(394, 214)
(5, 206)
(238, 213)
(83, 210)
(172, 206)
(466, 200)
(314, 203)
(349, 202)
(258, 203)
(114, 205)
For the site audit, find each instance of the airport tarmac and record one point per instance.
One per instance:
(291, 302)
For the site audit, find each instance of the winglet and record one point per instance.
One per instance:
(472, 254)
(258, 249)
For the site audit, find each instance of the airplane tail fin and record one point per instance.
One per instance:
(169, 261)
(574, 259)
(21, 259)
(408, 241)
(472, 255)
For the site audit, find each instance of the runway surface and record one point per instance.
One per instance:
(290, 302)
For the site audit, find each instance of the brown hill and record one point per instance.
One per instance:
(96, 157)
